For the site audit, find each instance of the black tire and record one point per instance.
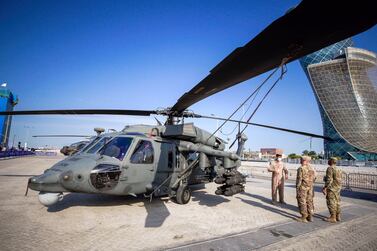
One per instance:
(183, 194)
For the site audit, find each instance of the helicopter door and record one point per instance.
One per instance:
(140, 167)
(165, 166)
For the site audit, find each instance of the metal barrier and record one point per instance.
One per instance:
(363, 181)
(342, 162)
(321, 175)
(7, 154)
(349, 180)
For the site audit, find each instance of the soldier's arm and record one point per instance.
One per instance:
(285, 170)
(299, 177)
(271, 167)
(328, 177)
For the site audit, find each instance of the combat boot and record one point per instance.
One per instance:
(331, 219)
(338, 217)
(302, 219)
(310, 218)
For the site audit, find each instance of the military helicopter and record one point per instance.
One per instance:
(159, 160)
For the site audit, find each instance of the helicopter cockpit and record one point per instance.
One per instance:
(96, 144)
(116, 147)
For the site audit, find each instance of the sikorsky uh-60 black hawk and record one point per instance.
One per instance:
(164, 159)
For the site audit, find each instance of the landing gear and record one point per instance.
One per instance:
(183, 195)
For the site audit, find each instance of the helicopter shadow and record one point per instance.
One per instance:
(206, 199)
(91, 200)
(157, 212)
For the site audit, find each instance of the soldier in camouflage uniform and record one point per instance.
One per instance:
(304, 188)
(333, 185)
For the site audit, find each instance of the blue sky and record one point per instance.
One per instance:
(143, 55)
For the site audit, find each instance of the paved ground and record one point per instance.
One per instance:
(94, 222)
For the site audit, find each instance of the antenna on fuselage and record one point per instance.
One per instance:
(99, 130)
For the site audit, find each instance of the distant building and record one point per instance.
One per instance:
(252, 154)
(269, 153)
(344, 82)
(7, 101)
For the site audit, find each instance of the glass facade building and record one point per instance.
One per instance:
(344, 82)
(7, 102)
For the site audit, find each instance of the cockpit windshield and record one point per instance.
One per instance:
(98, 145)
(90, 144)
(117, 148)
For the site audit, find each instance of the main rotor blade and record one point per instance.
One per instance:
(312, 25)
(81, 112)
(268, 126)
(62, 136)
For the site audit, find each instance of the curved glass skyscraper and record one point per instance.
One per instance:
(343, 80)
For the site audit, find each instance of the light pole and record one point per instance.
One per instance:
(27, 134)
(14, 138)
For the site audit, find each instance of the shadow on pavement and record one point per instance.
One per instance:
(271, 208)
(206, 199)
(268, 201)
(157, 211)
(92, 200)
(353, 194)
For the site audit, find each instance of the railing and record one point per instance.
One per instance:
(349, 180)
(339, 162)
(360, 180)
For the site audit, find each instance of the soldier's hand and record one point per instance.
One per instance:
(324, 191)
(286, 176)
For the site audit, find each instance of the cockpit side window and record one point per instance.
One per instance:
(143, 153)
(117, 148)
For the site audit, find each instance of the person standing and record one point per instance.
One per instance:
(333, 185)
(304, 189)
(279, 173)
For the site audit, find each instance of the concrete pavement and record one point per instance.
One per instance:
(97, 222)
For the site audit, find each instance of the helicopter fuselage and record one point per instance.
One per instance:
(151, 160)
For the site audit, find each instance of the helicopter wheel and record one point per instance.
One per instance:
(183, 194)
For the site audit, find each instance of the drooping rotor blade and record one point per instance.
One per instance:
(81, 112)
(62, 136)
(310, 26)
(267, 126)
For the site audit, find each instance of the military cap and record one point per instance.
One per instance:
(334, 159)
(307, 158)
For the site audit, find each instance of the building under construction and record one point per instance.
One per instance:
(7, 102)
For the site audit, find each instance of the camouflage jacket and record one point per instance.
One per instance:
(333, 179)
(306, 176)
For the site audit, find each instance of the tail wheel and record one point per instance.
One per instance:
(183, 194)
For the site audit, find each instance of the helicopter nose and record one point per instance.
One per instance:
(47, 182)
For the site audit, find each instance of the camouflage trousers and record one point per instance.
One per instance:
(333, 202)
(305, 201)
